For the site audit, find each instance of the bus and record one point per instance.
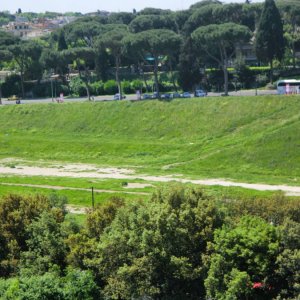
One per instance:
(288, 86)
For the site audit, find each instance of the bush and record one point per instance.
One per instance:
(137, 85)
(77, 87)
(110, 87)
(126, 87)
(41, 90)
(11, 86)
(97, 88)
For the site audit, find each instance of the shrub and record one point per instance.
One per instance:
(110, 87)
(41, 90)
(97, 88)
(77, 87)
(11, 86)
(137, 85)
(126, 87)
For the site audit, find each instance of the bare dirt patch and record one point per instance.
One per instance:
(77, 210)
(136, 185)
(90, 171)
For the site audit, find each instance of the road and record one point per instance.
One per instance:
(133, 97)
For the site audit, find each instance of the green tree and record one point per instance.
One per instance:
(148, 22)
(7, 39)
(218, 42)
(80, 285)
(112, 41)
(25, 54)
(120, 18)
(243, 255)
(83, 58)
(102, 216)
(290, 11)
(200, 17)
(16, 214)
(189, 73)
(82, 33)
(269, 41)
(61, 43)
(46, 246)
(158, 250)
(157, 43)
(288, 261)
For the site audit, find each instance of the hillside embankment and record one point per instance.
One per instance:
(249, 139)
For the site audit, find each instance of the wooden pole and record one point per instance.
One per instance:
(93, 198)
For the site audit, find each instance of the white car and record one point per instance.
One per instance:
(200, 93)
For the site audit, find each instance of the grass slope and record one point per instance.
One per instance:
(254, 139)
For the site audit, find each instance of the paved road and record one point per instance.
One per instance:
(133, 97)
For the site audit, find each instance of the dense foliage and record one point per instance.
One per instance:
(180, 245)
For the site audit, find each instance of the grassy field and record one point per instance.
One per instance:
(116, 187)
(253, 139)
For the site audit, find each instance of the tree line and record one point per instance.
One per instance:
(183, 244)
(206, 35)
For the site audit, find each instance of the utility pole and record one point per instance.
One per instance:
(93, 199)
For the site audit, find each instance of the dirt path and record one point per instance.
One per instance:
(55, 187)
(88, 171)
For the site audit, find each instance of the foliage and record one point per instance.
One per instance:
(97, 88)
(102, 217)
(126, 87)
(46, 247)
(112, 42)
(110, 87)
(273, 209)
(11, 86)
(219, 41)
(16, 214)
(189, 74)
(77, 87)
(154, 250)
(288, 260)
(156, 42)
(75, 285)
(269, 42)
(242, 255)
(148, 22)
(26, 55)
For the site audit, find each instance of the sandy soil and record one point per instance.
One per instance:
(136, 185)
(90, 171)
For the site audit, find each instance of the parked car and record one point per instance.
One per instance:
(165, 96)
(118, 97)
(186, 95)
(200, 93)
(155, 95)
(175, 95)
(146, 96)
(13, 98)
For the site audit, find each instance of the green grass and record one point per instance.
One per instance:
(253, 139)
(86, 183)
(80, 198)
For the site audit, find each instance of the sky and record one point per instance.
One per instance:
(85, 6)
